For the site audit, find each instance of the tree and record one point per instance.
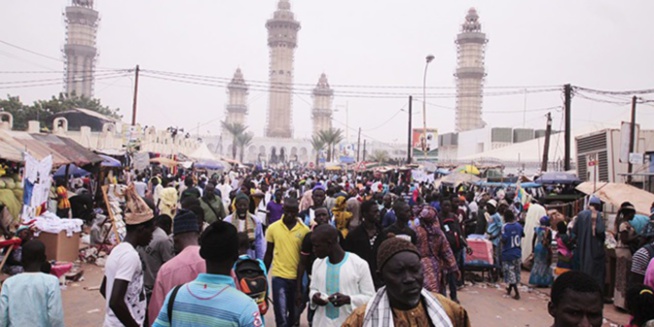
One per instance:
(244, 140)
(42, 110)
(318, 145)
(234, 129)
(380, 156)
(331, 137)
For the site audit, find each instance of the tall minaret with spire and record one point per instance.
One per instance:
(470, 73)
(237, 108)
(322, 105)
(282, 41)
(80, 51)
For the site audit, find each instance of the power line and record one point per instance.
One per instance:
(63, 82)
(30, 51)
(251, 82)
(632, 92)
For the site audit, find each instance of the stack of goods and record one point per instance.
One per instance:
(11, 196)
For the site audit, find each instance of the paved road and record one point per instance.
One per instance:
(486, 304)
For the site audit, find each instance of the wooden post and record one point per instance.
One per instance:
(110, 213)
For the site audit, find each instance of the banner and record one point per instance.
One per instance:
(432, 138)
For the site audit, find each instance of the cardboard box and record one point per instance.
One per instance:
(60, 247)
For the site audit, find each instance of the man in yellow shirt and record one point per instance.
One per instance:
(284, 238)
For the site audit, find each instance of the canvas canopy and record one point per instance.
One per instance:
(617, 193)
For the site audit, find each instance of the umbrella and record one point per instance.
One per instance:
(73, 170)
(468, 169)
(558, 178)
(333, 168)
(108, 161)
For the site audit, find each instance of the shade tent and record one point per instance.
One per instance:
(617, 193)
(110, 162)
(62, 149)
(457, 178)
(202, 152)
(73, 171)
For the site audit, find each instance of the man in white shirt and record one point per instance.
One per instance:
(340, 281)
(140, 186)
(122, 285)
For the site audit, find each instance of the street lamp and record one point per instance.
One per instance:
(428, 59)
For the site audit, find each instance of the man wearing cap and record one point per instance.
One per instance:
(246, 222)
(184, 267)
(404, 301)
(122, 285)
(211, 299)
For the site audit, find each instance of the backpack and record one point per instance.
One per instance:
(250, 278)
(452, 232)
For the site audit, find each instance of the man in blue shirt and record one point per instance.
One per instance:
(211, 299)
(512, 234)
(31, 298)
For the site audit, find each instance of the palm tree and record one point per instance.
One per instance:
(379, 156)
(318, 144)
(331, 137)
(244, 140)
(235, 129)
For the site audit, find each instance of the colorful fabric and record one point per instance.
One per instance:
(511, 270)
(342, 217)
(62, 198)
(210, 300)
(540, 272)
(286, 255)
(436, 255)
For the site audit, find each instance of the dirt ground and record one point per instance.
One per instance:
(486, 304)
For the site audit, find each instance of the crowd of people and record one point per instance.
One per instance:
(362, 251)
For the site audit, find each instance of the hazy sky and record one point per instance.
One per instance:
(597, 44)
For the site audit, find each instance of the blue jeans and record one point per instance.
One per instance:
(284, 301)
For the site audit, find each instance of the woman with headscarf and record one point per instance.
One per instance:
(435, 253)
(342, 217)
(168, 202)
(540, 273)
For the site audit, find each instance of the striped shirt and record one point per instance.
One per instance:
(210, 300)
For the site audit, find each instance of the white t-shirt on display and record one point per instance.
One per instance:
(125, 264)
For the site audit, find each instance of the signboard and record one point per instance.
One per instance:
(422, 176)
(636, 158)
(432, 138)
(625, 133)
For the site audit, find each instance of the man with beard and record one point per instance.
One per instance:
(404, 301)
(341, 280)
(246, 222)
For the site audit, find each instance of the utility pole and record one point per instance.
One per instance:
(567, 92)
(136, 93)
(632, 136)
(358, 144)
(364, 150)
(546, 151)
(409, 146)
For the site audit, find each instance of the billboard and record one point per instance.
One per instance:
(432, 138)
